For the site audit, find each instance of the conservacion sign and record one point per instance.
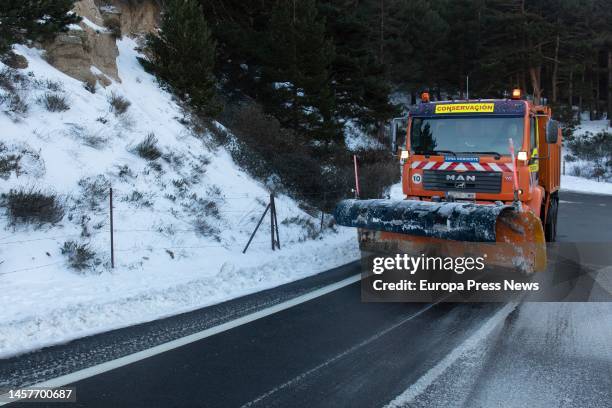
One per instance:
(465, 108)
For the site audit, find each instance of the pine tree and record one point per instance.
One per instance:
(359, 84)
(183, 54)
(240, 30)
(415, 35)
(38, 20)
(296, 71)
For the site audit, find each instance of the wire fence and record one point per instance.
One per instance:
(105, 216)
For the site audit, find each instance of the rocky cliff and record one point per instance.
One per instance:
(88, 51)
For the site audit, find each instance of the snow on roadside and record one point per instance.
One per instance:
(165, 264)
(583, 185)
(59, 309)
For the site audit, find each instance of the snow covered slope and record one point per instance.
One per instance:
(181, 220)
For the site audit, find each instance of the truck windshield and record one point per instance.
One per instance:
(466, 135)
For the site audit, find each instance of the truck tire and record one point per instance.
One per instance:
(550, 229)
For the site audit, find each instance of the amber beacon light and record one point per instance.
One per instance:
(516, 93)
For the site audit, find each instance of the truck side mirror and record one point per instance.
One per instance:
(552, 131)
(393, 137)
(396, 144)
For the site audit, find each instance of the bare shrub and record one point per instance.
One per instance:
(378, 174)
(311, 230)
(9, 162)
(84, 135)
(182, 187)
(204, 228)
(12, 85)
(7, 78)
(16, 104)
(80, 256)
(54, 102)
(317, 174)
(118, 104)
(147, 149)
(138, 199)
(203, 207)
(579, 170)
(33, 206)
(202, 210)
(174, 159)
(94, 191)
(54, 86)
(124, 173)
(90, 85)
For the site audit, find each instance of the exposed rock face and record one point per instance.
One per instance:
(77, 51)
(88, 9)
(137, 17)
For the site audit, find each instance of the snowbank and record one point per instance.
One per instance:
(582, 185)
(181, 221)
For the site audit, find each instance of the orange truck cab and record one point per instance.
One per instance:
(460, 151)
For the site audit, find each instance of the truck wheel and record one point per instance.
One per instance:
(551, 222)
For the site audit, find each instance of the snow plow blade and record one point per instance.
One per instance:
(509, 236)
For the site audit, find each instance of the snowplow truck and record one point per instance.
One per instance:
(478, 176)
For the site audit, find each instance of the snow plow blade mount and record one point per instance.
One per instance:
(508, 235)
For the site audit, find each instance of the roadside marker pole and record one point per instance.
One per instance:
(112, 238)
(356, 176)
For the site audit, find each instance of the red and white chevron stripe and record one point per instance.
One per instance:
(461, 166)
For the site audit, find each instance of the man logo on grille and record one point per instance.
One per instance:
(460, 185)
(459, 177)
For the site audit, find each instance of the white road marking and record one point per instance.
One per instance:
(436, 371)
(153, 351)
(338, 356)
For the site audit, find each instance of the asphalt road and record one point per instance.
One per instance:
(336, 351)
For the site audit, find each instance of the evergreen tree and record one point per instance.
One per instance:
(183, 54)
(359, 83)
(38, 20)
(240, 29)
(415, 37)
(461, 45)
(296, 71)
